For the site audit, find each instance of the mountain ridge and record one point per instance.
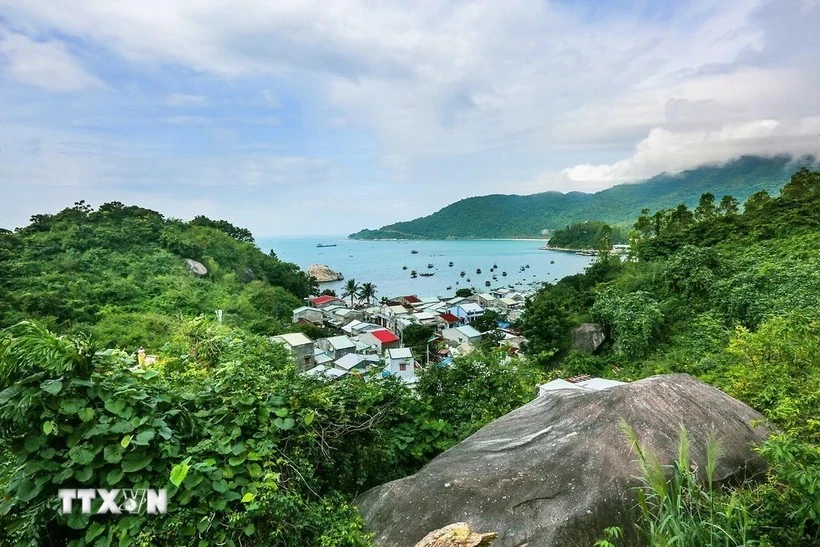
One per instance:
(525, 216)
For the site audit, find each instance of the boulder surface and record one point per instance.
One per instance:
(324, 274)
(588, 337)
(196, 268)
(559, 470)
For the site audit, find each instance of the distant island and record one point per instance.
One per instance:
(500, 216)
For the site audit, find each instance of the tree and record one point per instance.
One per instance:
(417, 338)
(487, 322)
(706, 207)
(367, 291)
(729, 206)
(546, 324)
(351, 289)
(756, 202)
(464, 293)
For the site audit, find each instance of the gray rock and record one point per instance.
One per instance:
(196, 268)
(558, 470)
(323, 274)
(588, 337)
(249, 275)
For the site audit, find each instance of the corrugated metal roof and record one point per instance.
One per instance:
(292, 339)
(400, 353)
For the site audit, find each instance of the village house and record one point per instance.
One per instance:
(427, 319)
(400, 363)
(357, 327)
(449, 320)
(459, 335)
(466, 311)
(505, 305)
(306, 313)
(354, 362)
(381, 339)
(342, 316)
(323, 370)
(485, 299)
(409, 300)
(389, 314)
(326, 300)
(299, 346)
(336, 346)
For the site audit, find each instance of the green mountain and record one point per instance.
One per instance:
(514, 216)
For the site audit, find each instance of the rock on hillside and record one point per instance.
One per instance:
(324, 274)
(196, 268)
(558, 470)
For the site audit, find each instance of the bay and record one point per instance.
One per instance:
(380, 262)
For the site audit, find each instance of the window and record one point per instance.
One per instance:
(402, 367)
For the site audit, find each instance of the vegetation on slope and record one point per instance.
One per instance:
(729, 297)
(592, 234)
(512, 216)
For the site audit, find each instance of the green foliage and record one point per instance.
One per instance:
(478, 388)
(591, 234)
(546, 324)
(633, 318)
(505, 216)
(417, 338)
(464, 293)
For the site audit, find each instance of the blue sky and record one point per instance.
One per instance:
(326, 116)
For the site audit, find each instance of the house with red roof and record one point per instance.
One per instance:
(450, 320)
(409, 300)
(381, 339)
(325, 301)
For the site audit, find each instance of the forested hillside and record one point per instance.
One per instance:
(513, 216)
(592, 234)
(119, 274)
(730, 297)
(253, 453)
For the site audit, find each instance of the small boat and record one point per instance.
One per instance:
(504, 274)
(427, 274)
(451, 264)
(404, 267)
(527, 266)
(414, 252)
(495, 266)
(478, 270)
(462, 274)
(552, 262)
(487, 283)
(320, 245)
(429, 265)
(449, 287)
(413, 274)
(468, 280)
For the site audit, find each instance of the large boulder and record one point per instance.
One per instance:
(588, 337)
(196, 268)
(558, 470)
(323, 274)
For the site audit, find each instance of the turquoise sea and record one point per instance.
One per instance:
(380, 262)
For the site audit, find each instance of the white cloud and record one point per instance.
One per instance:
(48, 64)
(186, 100)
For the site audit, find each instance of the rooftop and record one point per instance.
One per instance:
(468, 331)
(384, 336)
(400, 353)
(319, 300)
(449, 317)
(340, 342)
(292, 339)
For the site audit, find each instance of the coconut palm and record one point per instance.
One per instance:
(351, 290)
(368, 291)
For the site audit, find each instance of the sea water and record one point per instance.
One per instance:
(382, 262)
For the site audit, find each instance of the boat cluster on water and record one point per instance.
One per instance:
(463, 274)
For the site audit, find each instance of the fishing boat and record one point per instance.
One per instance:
(462, 274)
(495, 266)
(320, 245)
(552, 262)
(504, 274)
(414, 252)
(449, 287)
(413, 274)
(427, 274)
(404, 267)
(429, 265)
(527, 266)
(478, 271)
(487, 283)
(451, 264)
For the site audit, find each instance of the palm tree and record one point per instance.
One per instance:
(351, 290)
(368, 291)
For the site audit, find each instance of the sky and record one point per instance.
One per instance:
(325, 117)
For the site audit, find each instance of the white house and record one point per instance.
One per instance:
(381, 339)
(306, 313)
(322, 370)
(346, 315)
(355, 362)
(400, 363)
(336, 346)
(466, 312)
(485, 299)
(459, 335)
(299, 346)
(389, 314)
